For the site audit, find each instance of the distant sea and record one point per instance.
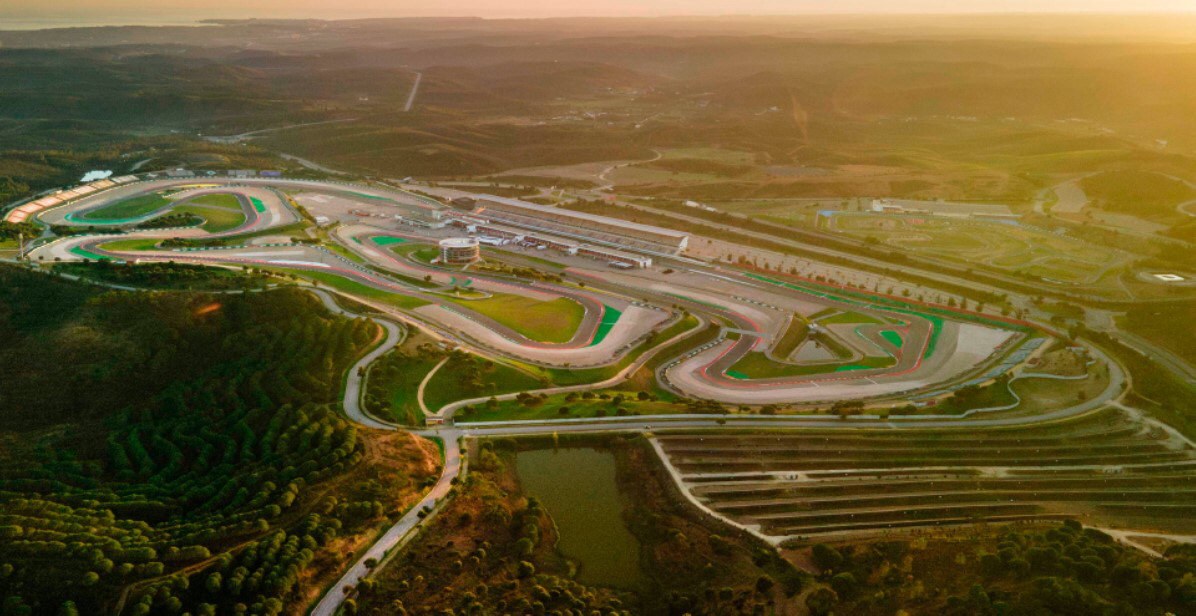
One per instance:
(24, 23)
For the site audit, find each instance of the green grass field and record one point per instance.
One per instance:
(403, 401)
(217, 219)
(352, 287)
(344, 252)
(893, 337)
(795, 334)
(550, 408)
(1138, 193)
(850, 318)
(223, 200)
(133, 207)
(552, 321)
(984, 243)
(130, 244)
(756, 365)
(445, 386)
(564, 376)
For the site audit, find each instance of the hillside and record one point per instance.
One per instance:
(182, 452)
(1140, 193)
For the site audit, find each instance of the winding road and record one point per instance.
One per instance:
(750, 316)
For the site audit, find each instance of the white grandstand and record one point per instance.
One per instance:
(588, 227)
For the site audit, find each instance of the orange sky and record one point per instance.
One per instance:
(542, 8)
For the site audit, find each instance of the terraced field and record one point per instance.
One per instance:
(1108, 468)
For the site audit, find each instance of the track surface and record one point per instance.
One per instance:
(753, 313)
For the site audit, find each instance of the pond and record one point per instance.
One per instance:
(577, 487)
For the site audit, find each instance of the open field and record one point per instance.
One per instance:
(759, 366)
(796, 333)
(133, 207)
(130, 244)
(475, 377)
(1004, 246)
(567, 406)
(223, 200)
(217, 218)
(352, 287)
(1138, 193)
(553, 321)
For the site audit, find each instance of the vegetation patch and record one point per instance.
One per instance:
(465, 375)
(353, 287)
(222, 200)
(849, 318)
(553, 321)
(1042, 569)
(497, 549)
(1171, 326)
(183, 450)
(893, 337)
(1137, 192)
(157, 275)
(128, 209)
(571, 406)
(216, 219)
(757, 365)
(796, 332)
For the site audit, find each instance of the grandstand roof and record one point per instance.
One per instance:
(535, 207)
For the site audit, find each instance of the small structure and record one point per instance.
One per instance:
(459, 250)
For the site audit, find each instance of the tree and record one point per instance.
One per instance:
(844, 584)
(820, 602)
(212, 584)
(826, 557)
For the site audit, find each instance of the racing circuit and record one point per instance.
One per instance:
(589, 315)
(703, 330)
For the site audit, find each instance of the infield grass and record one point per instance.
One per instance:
(553, 321)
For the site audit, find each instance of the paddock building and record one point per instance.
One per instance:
(578, 225)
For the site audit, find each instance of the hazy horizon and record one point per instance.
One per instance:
(23, 13)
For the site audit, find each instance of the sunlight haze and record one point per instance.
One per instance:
(323, 9)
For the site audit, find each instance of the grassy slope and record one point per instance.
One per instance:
(795, 333)
(756, 365)
(353, 287)
(552, 321)
(218, 200)
(132, 207)
(1141, 193)
(446, 386)
(217, 219)
(1171, 327)
(511, 410)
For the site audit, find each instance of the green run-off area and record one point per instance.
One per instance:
(553, 321)
(757, 365)
(124, 210)
(610, 316)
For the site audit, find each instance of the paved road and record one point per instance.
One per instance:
(398, 534)
(423, 386)
(1160, 356)
(450, 409)
(354, 382)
